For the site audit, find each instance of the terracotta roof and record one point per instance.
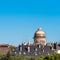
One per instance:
(4, 45)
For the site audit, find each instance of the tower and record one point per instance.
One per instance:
(39, 37)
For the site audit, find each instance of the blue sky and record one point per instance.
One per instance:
(20, 19)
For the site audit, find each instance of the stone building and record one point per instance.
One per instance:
(4, 48)
(39, 47)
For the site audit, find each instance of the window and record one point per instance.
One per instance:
(39, 46)
(26, 49)
(35, 49)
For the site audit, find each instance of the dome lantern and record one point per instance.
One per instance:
(39, 29)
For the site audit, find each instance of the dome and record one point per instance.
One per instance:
(39, 32)
(39, 36)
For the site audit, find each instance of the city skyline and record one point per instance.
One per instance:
(19, 20)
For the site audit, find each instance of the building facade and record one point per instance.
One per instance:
(4, 48)
(39, 47)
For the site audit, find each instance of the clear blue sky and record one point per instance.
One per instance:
(19, 19)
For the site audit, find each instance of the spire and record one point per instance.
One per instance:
(28, 42)
(22, 42)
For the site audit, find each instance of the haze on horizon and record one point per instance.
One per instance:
(19, 20)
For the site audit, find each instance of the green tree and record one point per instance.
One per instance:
(40, 58)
